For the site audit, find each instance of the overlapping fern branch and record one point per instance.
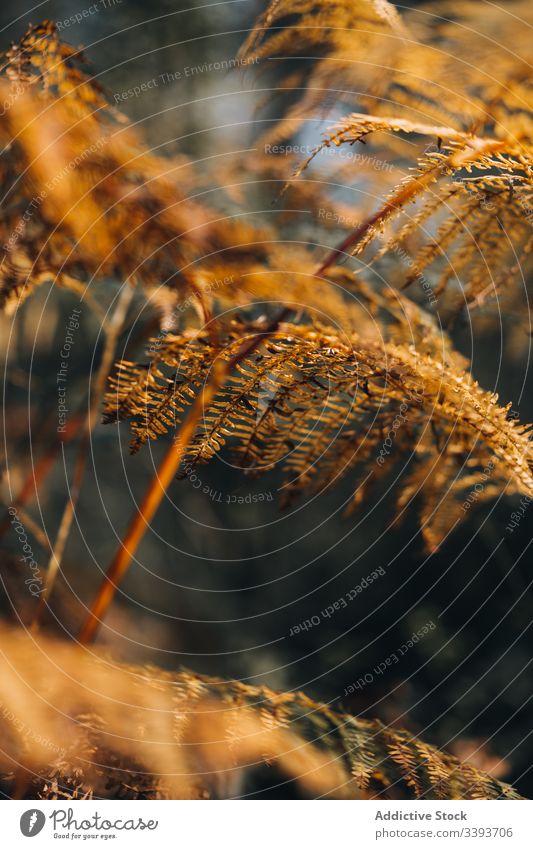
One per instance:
(96, 188)
(320, 403)
(105, 730)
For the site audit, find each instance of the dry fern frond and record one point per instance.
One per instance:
(282, 273)
(473, 187)
(358, 385)
(308, 28)
(87, 201)
(317, 21)
(473, 197)
(85, 198)
(79, 725)
(319, 403)
(481, 78)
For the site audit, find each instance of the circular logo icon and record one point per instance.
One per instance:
(32, 822)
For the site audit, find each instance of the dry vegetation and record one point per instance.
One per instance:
(447, 223)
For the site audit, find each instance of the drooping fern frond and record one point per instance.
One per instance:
(41, 59)
(308, 28)
(360, 386)
(472, 179)
(319, 403)
(86, 200)
(473, 218)
(368, 55)
(81, 725)
(316, 22)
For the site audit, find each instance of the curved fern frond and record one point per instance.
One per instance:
(474, 198)
(80, 187)
(314, 22)
(473, 186)
(396, 64)
(319, 404)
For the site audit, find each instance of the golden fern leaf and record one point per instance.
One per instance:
(319, 403)
(316, 20)
(393, 65)
(82, 187)
(473, 192)
(41, 59)
(473, 197)
(309, 28)
(84, 725)
(447, 486)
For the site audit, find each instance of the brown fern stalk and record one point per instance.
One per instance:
(170, 463)
(163, 477)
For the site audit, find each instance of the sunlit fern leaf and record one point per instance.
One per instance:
(275, 29)
(279, 272)
(357, 126)
(109, 730)
(473, 185)
(88, 202)
(395, 64)
(308, 28)
(321, 404)
(473, 216)
(448, 487)
(65, 159)
(476, 245)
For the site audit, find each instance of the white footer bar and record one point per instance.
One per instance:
(262, 824)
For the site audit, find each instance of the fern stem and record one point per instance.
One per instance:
(160, 482)
(157, 488)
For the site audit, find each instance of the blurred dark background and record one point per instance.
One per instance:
(219, 586)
